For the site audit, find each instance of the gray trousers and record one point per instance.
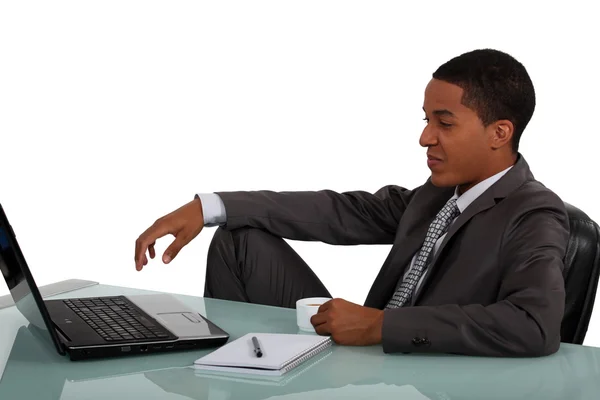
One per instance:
(254, 266)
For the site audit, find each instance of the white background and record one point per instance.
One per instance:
(114, 113)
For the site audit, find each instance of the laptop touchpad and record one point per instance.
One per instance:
(184, 324)
(178, 318)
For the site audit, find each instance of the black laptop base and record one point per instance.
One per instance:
(110, 326)
(78, 354)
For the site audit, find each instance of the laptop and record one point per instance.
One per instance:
(107, 326)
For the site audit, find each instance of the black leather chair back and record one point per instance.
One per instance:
(582, 268)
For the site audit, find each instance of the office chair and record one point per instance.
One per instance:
(582, 268)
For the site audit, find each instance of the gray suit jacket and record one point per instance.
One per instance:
(494, 288)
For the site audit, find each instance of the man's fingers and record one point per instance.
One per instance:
(151, 250)
(323, 329)
(325, 306)
(318, 319)
(172, 251)
(139, 262)
(147, 238)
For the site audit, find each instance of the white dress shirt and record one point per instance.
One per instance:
(215, 213)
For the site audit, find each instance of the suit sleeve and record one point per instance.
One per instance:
(526, 318)
(348, 218)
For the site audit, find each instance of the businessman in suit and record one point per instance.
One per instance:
(477, 257)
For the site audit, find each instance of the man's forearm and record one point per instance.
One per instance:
(500, 329)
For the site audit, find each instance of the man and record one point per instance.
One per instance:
(477, 257)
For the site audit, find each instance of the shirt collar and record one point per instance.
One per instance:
(470, 195)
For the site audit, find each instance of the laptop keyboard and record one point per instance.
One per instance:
(116, 319)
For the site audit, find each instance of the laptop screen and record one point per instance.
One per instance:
(19, 280)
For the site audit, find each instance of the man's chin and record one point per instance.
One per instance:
(441, 181)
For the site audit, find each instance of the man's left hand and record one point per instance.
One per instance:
(349, 323)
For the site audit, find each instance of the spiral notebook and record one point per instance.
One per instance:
(282, 352)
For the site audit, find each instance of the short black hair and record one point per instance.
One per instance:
(496, 86)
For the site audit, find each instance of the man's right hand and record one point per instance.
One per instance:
(185, 224)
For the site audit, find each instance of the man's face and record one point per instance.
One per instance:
(458, 145)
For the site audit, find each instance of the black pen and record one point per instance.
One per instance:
(257, 350)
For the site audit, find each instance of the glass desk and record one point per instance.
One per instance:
(33, 369)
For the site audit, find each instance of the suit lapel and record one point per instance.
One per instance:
(479, 205)
(409, 239)
(514, 178)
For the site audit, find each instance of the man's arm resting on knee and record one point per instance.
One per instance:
(336, 218)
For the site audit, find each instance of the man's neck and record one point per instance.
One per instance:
(494, 169)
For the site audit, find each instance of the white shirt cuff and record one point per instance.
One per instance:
(213, 209)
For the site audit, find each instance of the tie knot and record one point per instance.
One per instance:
(449, 211)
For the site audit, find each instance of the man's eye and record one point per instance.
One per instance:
(445, 125)
(426, 119)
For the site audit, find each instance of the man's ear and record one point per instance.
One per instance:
(501, 133)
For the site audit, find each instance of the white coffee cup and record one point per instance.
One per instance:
(305, 309)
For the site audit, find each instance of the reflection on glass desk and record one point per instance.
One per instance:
(33, 369)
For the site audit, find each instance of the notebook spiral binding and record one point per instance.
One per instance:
(297, 360)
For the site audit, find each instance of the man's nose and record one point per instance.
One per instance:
(428, 137)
